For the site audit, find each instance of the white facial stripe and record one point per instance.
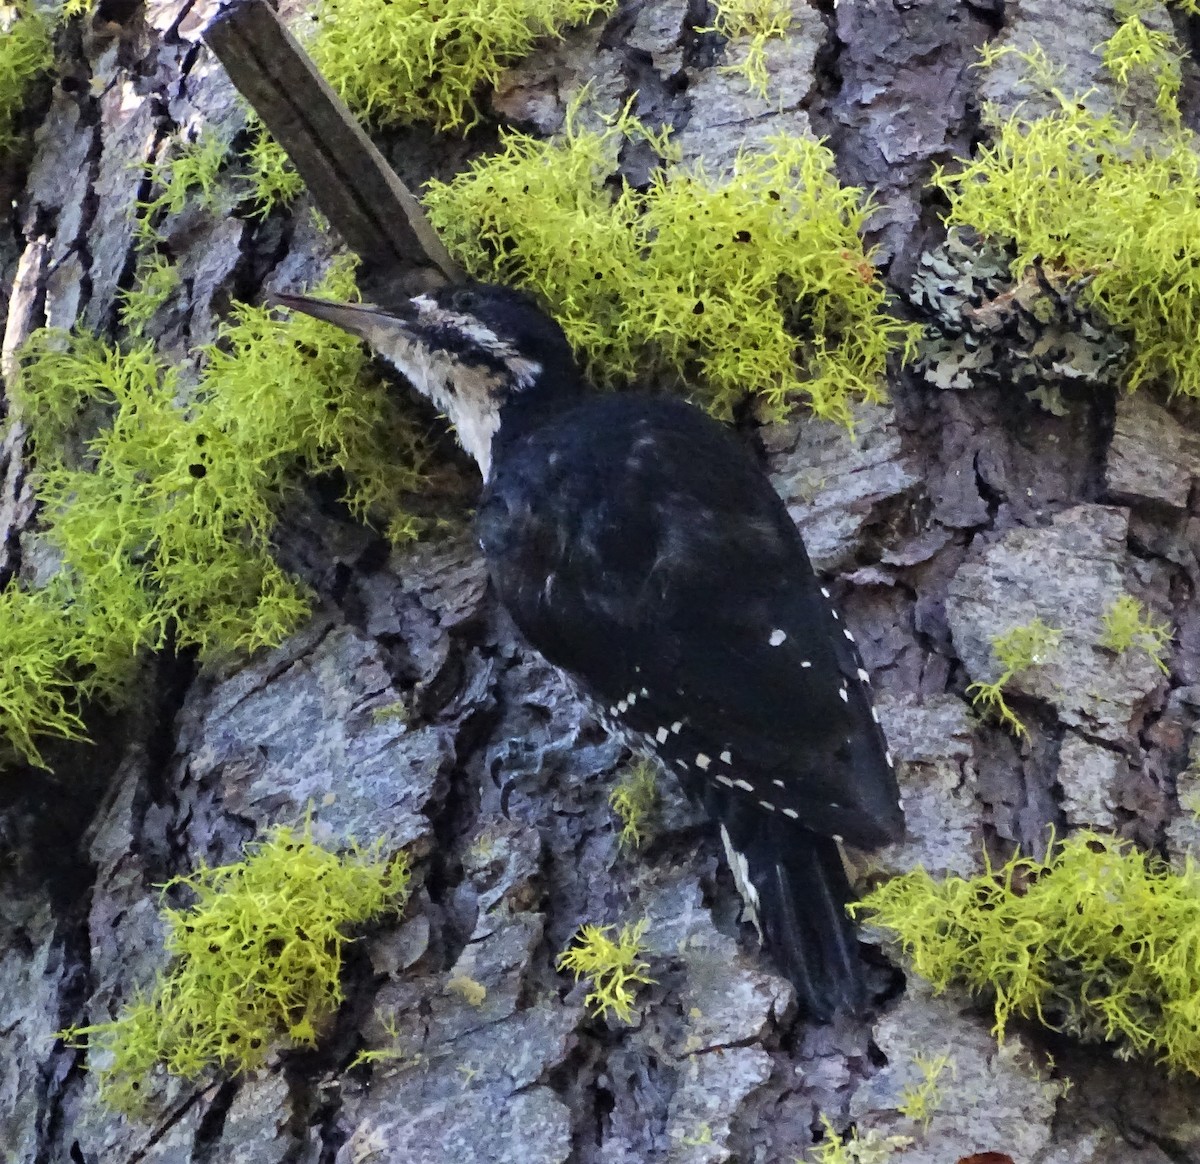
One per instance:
(474, 411)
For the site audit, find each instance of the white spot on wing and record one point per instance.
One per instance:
(723, 780)
(767, 805)
(792, 813)
(863, 675)
(779, 783)
(887, 755)
(777, 637)
(661, 735)
(847, 634)
(844, 695)
(677, 726)
(702, 761)
(805, 663)
(874, 715)
(622, 706)
(726, 758)
(744, 785)
(824, 591)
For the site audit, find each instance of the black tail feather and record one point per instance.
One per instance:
(796, 887)
(804, 892)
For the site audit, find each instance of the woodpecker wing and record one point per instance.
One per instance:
(639, 547)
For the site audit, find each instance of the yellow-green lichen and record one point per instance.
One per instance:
(758, 21)
(431, 61)
(393, 1053)
(1135, 50)
(183, 169)
(852, 1148)
(633, 799)
(154, 282)
(1100, 940)
(614, 966)
(754, 283)
(1016, 650)
(163, 525)
(1127, 624)
(255, 963)
(273, 180)
(920, 1100)
(26, 52)
(1111, 208)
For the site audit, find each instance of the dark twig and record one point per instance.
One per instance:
(349, 180)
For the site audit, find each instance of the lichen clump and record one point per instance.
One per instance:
(614, 965)
(1111, 207)
(256, 962)
(1100, 940)
(26, 51)
(853, 1148)
(633, 799)
(754, 22)
(431, 61)
(1127, 623)
(161, 518)
(1016, 650)
(752, 283)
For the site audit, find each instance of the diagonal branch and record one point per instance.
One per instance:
(349, 180)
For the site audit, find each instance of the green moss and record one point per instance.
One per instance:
(758, 21)
(273, 180)
(1135, 50)
(183, 170)
(163, 526)
(754, 283)
(1127, 624)
(431, 61)
(393, 1053)
(613, 965)
(154, 282)
(633, 799)
(256, 963)
(62, 644)
(1099, 941)
(26, 52)
(851, 1148)
(1111, 208)
(1016, 650)
(919, 1101)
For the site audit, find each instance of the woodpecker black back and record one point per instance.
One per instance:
(640, 548)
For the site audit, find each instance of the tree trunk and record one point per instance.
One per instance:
(962, 508)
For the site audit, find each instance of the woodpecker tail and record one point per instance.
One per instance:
(796, 892)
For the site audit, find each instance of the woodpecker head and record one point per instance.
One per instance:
(482, 354)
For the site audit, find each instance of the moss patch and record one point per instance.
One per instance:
(614, 966)
(162, 521)
(431, 60)
(1109, 207)
(1100, 940)
(752, 283)
(256, 963)
(26, 51)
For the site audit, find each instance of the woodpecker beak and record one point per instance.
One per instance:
(449, 357)
(372, 324)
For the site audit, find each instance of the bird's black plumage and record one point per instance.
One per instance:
(640, 548)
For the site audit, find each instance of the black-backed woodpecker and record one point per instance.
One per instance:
(642, 550)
